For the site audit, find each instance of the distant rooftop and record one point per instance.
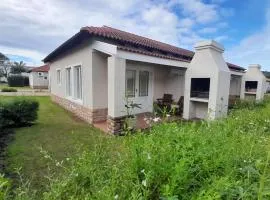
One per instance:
(43, 68)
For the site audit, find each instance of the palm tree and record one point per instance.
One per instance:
(19, 64)
(18, 67)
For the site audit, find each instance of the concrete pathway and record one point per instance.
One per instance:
(26, 92)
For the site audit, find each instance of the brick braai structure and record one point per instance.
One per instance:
(86, 114)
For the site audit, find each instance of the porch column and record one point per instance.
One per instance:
(116, 93)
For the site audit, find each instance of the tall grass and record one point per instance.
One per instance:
(224, 159)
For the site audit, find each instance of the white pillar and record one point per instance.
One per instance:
(116, 86)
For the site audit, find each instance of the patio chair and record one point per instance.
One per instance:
(165, 101)
(180, 103)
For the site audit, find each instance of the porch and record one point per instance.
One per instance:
(117, 79)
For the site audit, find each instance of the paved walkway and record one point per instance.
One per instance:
(26, 92)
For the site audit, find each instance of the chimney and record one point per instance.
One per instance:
(207, 83)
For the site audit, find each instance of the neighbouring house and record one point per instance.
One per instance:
(39, 77)
(93, 72)
(267, 76)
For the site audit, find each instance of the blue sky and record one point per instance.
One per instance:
(31, 29)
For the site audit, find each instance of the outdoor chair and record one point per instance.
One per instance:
(180, 103)
(166, 101)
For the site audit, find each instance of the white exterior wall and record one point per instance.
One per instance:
(235, 85)
(100, 80)
(208, 62)
(116, 86)
(35, 80)
(168, 80)
(81, 55)
(254, 74)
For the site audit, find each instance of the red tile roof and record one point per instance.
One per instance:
(43, 68)
(130, 42)
(235, 67)
(131, 38)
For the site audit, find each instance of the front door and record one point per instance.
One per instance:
(139, 87)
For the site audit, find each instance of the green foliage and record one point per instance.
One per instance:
(9, 90)
(249, 104)
(224, 159)
(16, 81)
(17, 69)
(4, 187)
(18, 112)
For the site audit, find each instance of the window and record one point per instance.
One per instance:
(77, 82)
(68, 81)
(58, 74)
(45, 77)
(130, 83)
(143, 83)
(40, 74)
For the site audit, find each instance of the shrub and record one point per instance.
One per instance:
(26, 81)
(16, 81)
(9, 90)
(18, 112)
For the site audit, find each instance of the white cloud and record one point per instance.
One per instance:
(35, 56)
(208, 30)
(33, 28)
(254, 48)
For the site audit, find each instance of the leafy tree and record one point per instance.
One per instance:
(18, 67)
(4, 65)
(3, 58)
(1, 72)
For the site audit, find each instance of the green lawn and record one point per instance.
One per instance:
(4, 85)
(223, 159)
(58, 133)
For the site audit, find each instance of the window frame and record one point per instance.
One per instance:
(134, 71)
(68, 90)
(58, 78)
(77, 82)
(148, 82)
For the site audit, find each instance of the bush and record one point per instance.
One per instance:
(9, 90)
(18, 112)
(26, 81)
(16, 81)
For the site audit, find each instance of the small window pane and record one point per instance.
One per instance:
(130, 83)
(68, 81)
(78, 82)
(143, 83)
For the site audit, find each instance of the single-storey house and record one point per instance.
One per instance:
(93, 72)
(267, 76)
(39, 77)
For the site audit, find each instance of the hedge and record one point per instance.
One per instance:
(18, 81)
(18, 112)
